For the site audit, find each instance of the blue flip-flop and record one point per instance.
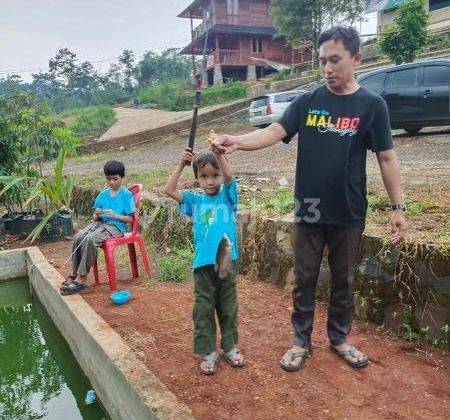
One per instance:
(73, 288)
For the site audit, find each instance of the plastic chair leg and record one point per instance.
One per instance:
(133, 260)
(95, 269)
(110, 267)
(145, 256)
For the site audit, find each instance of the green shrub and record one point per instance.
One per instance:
(177, 267)
(92, 121)
(281, 201)
(177, 96)
(282, 75)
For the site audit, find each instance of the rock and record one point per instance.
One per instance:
(428, 278)
(283, 181)
(432, 320)
(393, 317)
(122, 148)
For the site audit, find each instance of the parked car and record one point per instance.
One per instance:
(417, 94)
(264, 110)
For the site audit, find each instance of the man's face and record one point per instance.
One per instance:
(337, 64)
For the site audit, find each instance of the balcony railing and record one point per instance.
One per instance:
(229, 20)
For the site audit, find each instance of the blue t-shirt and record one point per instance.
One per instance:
(122, 204)
(213, 217)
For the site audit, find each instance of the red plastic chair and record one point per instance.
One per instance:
(130, 239)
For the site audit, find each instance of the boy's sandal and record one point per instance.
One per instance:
(351, 352)
(234, 358)
(73, 288)
(69, 279)
(210, 363)
(293, 355)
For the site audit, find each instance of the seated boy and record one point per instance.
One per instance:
(113, 209)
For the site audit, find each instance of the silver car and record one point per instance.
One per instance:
(264, 110)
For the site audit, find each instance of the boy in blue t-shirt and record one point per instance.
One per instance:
(213, 214)
(113, 209)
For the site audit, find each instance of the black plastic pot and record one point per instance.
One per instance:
(25, 224)
(59, 227)
(12, 221)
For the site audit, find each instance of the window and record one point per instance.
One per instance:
(439, 4)
(436, 76)
(375, 82)
(257, 45)
(402, 78)
(232, 7)
(260, 102)
(286, 97)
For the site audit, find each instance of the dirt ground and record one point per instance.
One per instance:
(404, 380)
(130, 120)
(424, 158)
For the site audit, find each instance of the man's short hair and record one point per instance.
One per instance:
(114, 167)
(348, 35)
(202, 158)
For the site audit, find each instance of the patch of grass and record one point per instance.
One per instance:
(280, 201)
(417, 207)
(282, 75)
(175, 268)
(91, 121)
(177, 96)
(149, 179)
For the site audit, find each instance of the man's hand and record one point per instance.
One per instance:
(224, 144)
(398, 226)
(187, 157)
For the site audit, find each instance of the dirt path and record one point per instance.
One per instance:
(425, 159)
(131, 121)
(400, 383)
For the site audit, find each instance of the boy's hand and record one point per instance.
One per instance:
(109, 213)
(97, 213)
(187, 157)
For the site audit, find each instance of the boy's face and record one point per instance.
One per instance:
(210, 179)
(114, 181)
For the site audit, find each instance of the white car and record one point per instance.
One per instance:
(264, 110)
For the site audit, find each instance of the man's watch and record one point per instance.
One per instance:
(399, 206)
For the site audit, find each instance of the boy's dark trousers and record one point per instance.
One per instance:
(343, 246)
(214, 295)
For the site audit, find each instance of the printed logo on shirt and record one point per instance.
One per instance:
(207, 218)
(325, 123)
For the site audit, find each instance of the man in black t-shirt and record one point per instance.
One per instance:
(336, 124)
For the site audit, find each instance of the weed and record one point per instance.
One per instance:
(176, 267)
(92, 121)
(280, 201)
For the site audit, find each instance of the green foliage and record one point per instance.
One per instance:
(282, 75)
(299, 20)
(169, 65)
(92, 121)
(177, 267)
(407, 36)
(281, 201)
(177, 96)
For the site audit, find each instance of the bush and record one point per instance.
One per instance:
(281, 201)
(177, 96)
(176, 268)
(282, 75)
(92, 121)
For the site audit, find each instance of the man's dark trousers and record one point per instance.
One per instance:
(343, 246)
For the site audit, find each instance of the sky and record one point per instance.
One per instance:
(32, 31)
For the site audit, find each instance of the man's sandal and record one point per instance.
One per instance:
(234, 358)
(301, 354)
(351, 352)
(73, 288)
(69, 279)
(210, 363)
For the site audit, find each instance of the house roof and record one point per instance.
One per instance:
(234, 29)
(379, 5)
(195, 9)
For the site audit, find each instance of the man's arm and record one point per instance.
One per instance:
(390, 172)
(258, 139)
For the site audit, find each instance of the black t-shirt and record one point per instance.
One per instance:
(335, 132)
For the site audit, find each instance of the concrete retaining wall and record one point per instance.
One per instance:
(13, 264)
(125, 386)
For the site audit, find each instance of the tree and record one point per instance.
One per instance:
(407, 36)
(156, 67)
(127, 61)
(300, 20)
(63, 65)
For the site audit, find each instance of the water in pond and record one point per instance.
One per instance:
(39, 376)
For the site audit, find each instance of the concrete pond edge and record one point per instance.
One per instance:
(125, 385)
